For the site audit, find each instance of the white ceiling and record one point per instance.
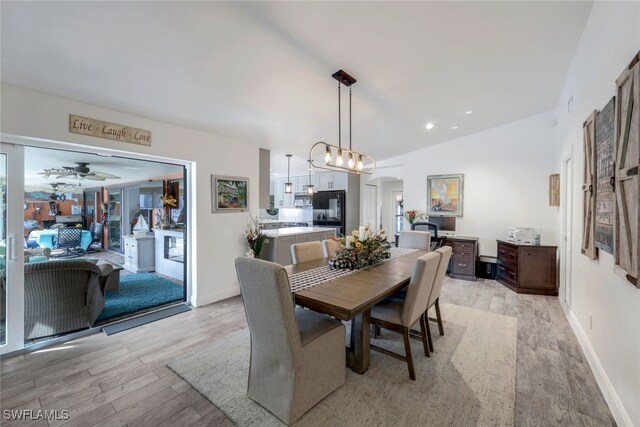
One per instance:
(129, 170)
(261, 71)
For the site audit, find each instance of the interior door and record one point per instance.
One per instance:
(370, 206)
(12, 248)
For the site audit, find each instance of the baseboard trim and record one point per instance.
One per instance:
(200, 300)
(613, 400)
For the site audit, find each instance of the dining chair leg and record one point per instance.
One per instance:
(426, 324)
(423, 332)
(407, 350)
(439, 317)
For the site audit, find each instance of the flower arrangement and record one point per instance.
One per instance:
(361, 248)
(412, 216)
(254, 236)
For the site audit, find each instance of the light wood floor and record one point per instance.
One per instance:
(123, 379)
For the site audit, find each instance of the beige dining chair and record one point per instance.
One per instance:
(415, 240)
(330, 247)
(297, 356)
(434, 299)
(307, 251)
(400, 314)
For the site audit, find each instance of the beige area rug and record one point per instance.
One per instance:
(469, 380)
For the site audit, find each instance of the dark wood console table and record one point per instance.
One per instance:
(527, 269)
(464, 258)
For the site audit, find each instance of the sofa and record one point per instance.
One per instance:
(63, 296)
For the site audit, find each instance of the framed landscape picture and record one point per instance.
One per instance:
(445, 194)
(229, 194)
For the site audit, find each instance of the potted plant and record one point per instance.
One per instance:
(254, 236)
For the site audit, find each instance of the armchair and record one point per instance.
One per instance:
(62, 296)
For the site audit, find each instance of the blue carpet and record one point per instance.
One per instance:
(138, 292)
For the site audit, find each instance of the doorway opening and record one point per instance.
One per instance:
(120, 218)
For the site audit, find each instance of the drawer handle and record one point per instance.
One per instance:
(462, 265)
(462, 254)
(501, 252)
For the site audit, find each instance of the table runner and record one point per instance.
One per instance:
(307, 279)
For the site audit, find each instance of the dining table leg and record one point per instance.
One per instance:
(359, 350)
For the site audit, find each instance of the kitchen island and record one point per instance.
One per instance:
(277, 247)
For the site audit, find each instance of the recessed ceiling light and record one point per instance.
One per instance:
(468, 112)
(430, 126)
(454, 127)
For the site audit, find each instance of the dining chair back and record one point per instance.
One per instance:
(330, 247)
(415, 240)
(420, 288)
(297, 356)
(307, 251)
(434, 299)
(69, 239)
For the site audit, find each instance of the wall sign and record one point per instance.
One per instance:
(101, 129)
(605, 126)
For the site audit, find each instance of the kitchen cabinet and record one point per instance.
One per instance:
(327, 181)
(138, 254)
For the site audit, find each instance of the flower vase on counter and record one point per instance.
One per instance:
(360, 249)
(254, 236)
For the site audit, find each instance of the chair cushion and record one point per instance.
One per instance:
(389, 310)
(313, 325)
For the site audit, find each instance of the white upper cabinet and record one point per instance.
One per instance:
(328, 181)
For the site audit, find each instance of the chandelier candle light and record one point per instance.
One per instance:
(321, 153)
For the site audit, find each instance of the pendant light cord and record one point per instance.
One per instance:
(349, 118)
(339, 119)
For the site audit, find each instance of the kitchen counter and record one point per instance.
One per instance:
(277, 246)
(294, 231)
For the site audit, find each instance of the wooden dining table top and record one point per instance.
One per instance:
(347, 296)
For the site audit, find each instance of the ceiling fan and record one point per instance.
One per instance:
(80, 171)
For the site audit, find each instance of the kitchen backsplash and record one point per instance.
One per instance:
(290, 215)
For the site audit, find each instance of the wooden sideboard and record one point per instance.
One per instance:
(464, 258)
(527, 269)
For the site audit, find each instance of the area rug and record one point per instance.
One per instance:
(138, 292)
(469, 380)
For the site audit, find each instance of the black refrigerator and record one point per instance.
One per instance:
(329, 210)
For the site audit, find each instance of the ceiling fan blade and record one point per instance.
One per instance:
(105, 175)
(93, 177)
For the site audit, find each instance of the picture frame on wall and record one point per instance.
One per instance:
(229, 194)
(445, 194)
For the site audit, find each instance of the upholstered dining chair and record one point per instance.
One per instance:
(400, 314)
(297, 356)
(434, 298)
(415, 240)
(330, 247)
(307, 251)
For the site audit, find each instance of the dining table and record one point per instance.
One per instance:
(350, 295)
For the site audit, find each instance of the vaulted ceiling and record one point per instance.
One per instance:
(261, 72)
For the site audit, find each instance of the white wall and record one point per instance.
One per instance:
(216, 237)
(506, 172)
(610, 40)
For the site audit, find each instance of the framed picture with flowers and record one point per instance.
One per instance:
(229, 194)
(445, 194)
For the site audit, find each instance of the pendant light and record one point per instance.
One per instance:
(321, 153)
(288, 187)
(310, 189)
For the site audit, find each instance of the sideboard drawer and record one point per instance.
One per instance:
(462, 267)
(507, 254)
(508, 274)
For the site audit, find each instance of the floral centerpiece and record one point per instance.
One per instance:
(361, 248)
(412, 216)
(254, 236)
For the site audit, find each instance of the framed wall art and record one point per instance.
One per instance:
(229, 194)
(605, 126)
(445, 194)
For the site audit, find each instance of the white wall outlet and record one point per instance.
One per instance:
(590, 320)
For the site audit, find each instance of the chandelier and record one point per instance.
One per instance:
(332, 157)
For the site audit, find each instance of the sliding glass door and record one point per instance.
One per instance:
(11, 247)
